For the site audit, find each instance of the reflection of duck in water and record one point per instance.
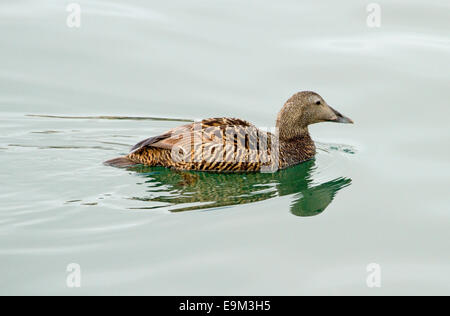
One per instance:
(225, 189)
(234, 145)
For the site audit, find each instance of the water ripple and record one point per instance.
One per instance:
(106, 117)
(372, 44)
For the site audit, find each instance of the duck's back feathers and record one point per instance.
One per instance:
(206, 146)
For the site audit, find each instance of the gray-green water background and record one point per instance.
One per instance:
(379, 189)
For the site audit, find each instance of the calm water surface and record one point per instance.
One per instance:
(73, 98)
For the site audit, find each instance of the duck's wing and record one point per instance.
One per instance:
(160, 141)
(186, 134)
(217, 144)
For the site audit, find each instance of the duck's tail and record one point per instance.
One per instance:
(121, 162)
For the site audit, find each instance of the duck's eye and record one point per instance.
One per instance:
(318, 102)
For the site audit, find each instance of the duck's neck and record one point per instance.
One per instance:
(296, 148)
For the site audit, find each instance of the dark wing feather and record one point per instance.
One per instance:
(149, 141)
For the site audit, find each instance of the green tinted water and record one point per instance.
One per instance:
(376, 192)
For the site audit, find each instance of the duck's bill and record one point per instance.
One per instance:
(340, 118)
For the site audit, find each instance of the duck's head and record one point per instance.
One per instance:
(303, 109)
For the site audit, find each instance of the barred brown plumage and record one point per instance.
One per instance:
(235, 145)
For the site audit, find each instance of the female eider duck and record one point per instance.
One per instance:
(234, 145)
